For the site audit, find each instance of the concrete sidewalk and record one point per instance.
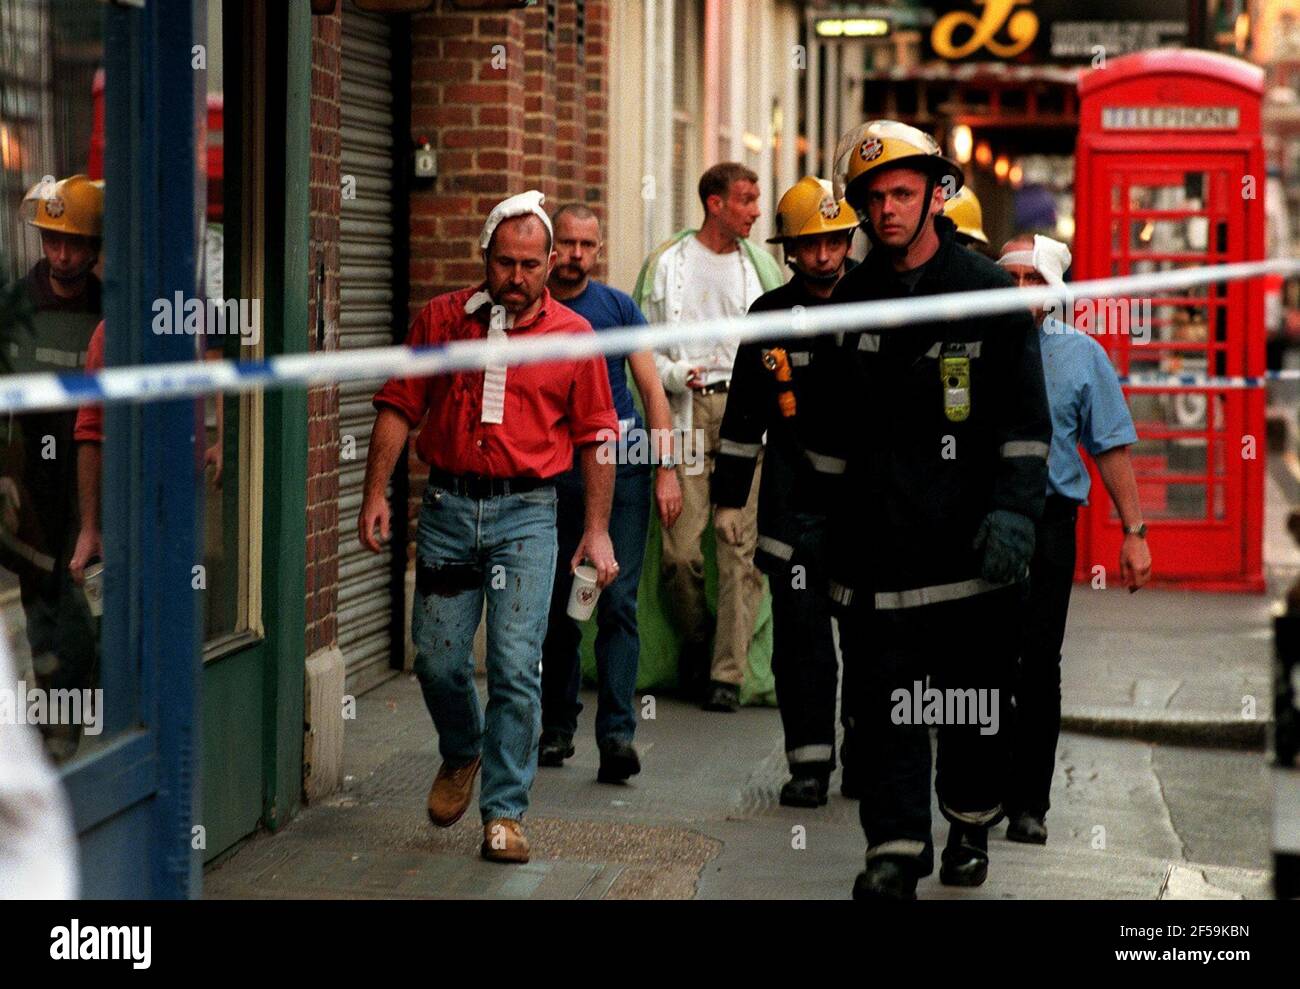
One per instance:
(1177, 666)
(1130, 820)
(1169, 666)
(1139, 814)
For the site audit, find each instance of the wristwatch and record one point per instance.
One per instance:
(1139, 530)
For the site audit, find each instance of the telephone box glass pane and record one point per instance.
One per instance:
(1185, 191)
(1171, 501)
(1182, 236)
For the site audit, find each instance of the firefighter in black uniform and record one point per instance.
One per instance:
(39, 517)
(944, 428)
(768, 392)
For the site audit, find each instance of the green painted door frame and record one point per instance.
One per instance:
(253, 698)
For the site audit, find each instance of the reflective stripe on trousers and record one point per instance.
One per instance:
(826, 464)
(978, 818)
(774, 547)
(919, 596)
(748, 450)
(810, 753)
(902, 847)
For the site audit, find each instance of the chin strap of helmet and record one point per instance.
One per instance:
(930, 183)
(815, 279)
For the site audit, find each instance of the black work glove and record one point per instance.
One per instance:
(1007, 541)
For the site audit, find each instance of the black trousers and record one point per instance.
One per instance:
(805, 667)
(963, 649)
(1036, 721)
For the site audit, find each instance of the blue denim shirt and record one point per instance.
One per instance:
(1087, 403)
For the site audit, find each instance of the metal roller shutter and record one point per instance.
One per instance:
(365, 320)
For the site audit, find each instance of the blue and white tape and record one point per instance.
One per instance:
(1198, 382)
(28, 392)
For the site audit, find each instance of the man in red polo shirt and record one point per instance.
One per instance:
(494, 441)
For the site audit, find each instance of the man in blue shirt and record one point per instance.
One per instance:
(618, 647)
(1088, 408)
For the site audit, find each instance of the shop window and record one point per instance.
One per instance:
(51, 303)
(687, 29)
(1051, 101)
(1013, 100)
(52, 198)
(232, 447)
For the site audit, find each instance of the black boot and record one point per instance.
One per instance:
(966, 857)
(554, 748)
(723, 697)
(618, 761)
(1028, 829)
(805, 788)
(887, 877)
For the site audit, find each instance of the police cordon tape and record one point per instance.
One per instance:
(156, 382)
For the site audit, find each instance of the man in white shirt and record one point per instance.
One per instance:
(702, 274)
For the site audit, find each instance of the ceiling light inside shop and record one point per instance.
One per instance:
(1002, 167)
(984, 154)
(962, 143)
(9, 150)
(852, 27)
(1016, 175)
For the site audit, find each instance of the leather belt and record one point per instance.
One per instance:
(469, 486)
(717, 388)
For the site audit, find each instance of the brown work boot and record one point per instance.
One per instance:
(451, 792)
(504, 841)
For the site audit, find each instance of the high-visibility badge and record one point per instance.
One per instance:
(955, 372)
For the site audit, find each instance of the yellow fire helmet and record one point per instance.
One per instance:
(888, 144)
(809, 207)
(73, 206)
(964, 210)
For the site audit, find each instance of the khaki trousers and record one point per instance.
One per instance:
(740, 584)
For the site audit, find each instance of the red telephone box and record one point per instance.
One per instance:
(1170, 175)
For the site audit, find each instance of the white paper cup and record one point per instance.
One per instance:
(93, 587)
(583, 594)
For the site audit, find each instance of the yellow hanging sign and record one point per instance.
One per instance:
(1021, 27)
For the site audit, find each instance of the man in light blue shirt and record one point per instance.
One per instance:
(1089, 410)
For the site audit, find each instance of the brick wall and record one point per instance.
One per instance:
(593, 101)
(541, 101)
(571, 123)
(467, 96)
(323, 401)
(504, 114)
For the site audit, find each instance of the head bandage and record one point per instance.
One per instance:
(1050, 258)
(525, 204)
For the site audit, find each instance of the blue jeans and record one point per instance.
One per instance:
(618, 644)
(503, 548)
